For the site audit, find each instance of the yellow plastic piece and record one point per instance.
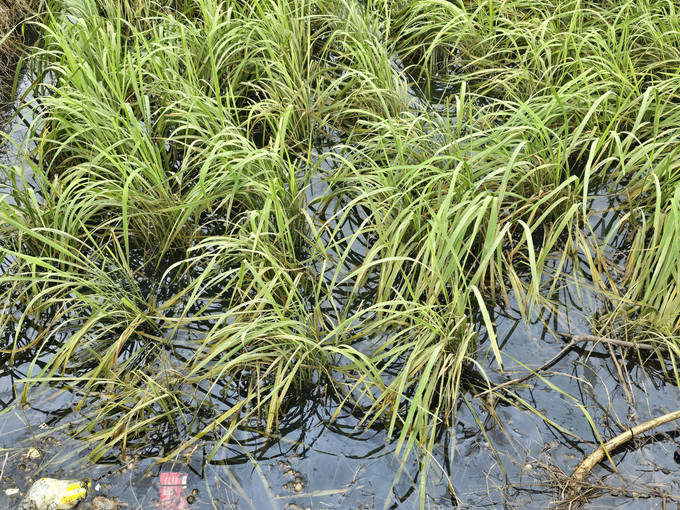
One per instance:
(53, 494)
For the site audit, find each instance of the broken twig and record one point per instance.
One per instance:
(574, 340)
(613, 341)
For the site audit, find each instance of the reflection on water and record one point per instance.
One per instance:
(14, 124)
(15, 120)
(518, 457)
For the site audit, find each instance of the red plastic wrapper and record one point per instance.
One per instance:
(172, 491)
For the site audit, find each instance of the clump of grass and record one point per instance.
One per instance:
(592, 89)
(648, 309)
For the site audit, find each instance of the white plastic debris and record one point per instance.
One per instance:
(53, 494)
(34, 453)
(12, 491)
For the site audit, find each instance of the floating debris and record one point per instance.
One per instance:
(103, 503)
(34, 454)
(172, 491)
(54, 494)
(293, 506)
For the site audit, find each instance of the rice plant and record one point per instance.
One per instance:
(167, 226)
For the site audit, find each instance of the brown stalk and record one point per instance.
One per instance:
(574, 340)
(594, 458)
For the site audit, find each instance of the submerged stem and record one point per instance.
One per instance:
(575, 339)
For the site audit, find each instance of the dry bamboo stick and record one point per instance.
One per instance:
(594, 458)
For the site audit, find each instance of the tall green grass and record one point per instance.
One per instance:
(169, 221)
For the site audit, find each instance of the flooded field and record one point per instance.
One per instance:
(284, 255)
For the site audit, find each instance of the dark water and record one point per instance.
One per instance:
(513, 455)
